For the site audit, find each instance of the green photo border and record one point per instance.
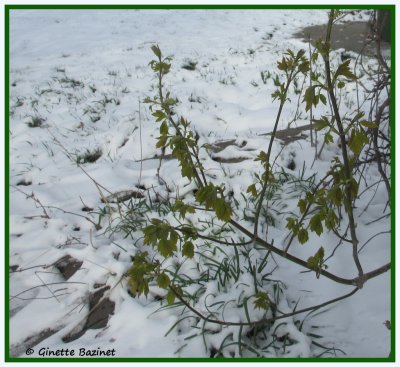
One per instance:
(7, 9)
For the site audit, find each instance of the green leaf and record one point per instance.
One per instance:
(323, 47)
(262, 156)
(358, 116)
(322, 98)
(320, 124)
(188, 249)
(161, 235)
(223, 210)
(166, 247)
(138, 288)
(184, 122)
(353, 188)
(163, 281)
(291, 223)
(328, 138)
(316, 262)
(162, 141)
(164, 128)
(138, 273)
(262, 301)
(369, 124)
(189, 231)
(304, 67)
(345, 71)
(357, 141)
(170, 297)
(314, 57)
(182, 208)
(310, 98)
(159, 115)
(156, 50)
(302, 236)
(252, 189)
(302, 204)
(277, 94)
(207, 195)
(316, 224)
(150, 235)
(341, 84)
(331, 220)
(337, 13)
(283, 65)
(187, 170)
(170, 101)
(336, 195)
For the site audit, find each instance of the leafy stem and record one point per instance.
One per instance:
(342, 136)
(292, 65)
(161, 66)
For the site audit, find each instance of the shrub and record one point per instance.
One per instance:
(201, 254)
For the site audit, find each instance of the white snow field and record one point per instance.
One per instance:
(78, 80)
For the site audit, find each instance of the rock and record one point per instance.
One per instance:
(100, 309)
(17, 350)
(230, 160)
(291, 134)
(24, 183)
(13, 268)
(68, 266)
(220, 145)
(121, 196)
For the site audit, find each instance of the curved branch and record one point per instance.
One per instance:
(262, 321)
(357, 281)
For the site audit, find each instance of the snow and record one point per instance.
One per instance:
(84, 73)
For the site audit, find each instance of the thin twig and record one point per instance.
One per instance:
(47, 284)
(37, 274)
(35, 199)
(141, 144)
(370, 239)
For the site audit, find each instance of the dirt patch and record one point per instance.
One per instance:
(352, 36)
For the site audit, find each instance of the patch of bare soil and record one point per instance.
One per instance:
(352, 36)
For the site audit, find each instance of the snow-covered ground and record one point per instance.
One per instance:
(81, 75)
